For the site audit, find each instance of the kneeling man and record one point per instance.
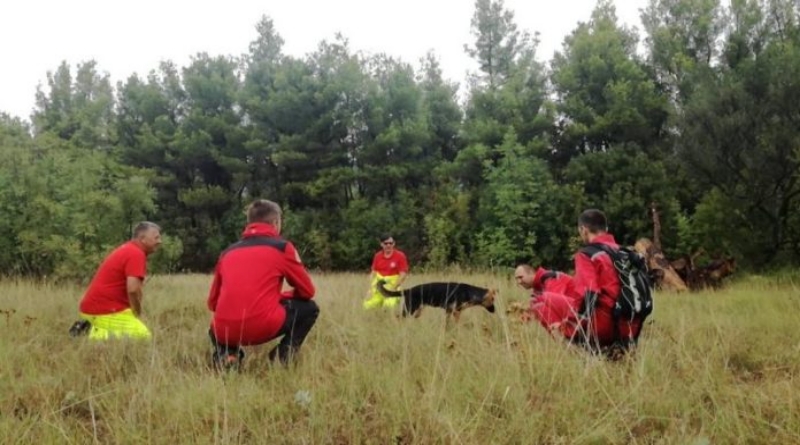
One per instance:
(112, 304)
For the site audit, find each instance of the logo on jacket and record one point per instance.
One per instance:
(392, 264)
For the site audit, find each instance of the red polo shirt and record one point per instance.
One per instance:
(394, 264)
(108, 291)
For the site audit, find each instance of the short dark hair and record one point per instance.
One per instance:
(594, 220)
(385, 236)
(263, 210)
(143, 227)
(525, 266)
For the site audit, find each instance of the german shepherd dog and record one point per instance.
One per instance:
(452, 297)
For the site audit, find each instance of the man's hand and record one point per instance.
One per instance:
(400, 280)
(516, 307)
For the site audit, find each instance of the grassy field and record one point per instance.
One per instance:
(713, 368)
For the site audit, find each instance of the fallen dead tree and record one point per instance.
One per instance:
(662, 273)
(681, 274)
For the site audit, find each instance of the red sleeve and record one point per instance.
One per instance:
(375, 262)
(213, 294)
(402, 265)
(136, 266)
(296, 274)
(585, 275)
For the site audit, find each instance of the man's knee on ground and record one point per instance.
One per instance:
(98, 333)
(392, 302)
(122, 324)
(373, 302)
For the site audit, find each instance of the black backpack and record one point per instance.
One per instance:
(635, 300)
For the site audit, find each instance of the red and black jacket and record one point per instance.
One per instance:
(249, 277)
(596, 279)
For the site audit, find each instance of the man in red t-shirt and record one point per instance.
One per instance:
(389, 264)
(246, 294)
(112, 304)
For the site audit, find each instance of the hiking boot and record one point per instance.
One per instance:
(228, 360)
(619, 350)
(79, 328)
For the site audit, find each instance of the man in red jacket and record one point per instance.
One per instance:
(597, 281)
(246, 294)
(554, 302)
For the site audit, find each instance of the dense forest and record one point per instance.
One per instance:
(699, 112)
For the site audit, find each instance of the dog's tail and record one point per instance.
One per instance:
(387, 292)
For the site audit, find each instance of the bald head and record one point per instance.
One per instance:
(523, 275)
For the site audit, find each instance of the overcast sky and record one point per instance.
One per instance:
(133, 36)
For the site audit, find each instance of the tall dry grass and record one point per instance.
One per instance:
(716, 368)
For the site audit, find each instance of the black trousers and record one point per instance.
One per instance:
(301, 315)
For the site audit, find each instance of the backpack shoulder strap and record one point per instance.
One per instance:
(593, 249)
(550, 274)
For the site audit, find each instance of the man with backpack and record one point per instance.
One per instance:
(617, 295)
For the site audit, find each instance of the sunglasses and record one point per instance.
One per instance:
(388, 243)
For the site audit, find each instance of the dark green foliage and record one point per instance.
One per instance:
(706, 124)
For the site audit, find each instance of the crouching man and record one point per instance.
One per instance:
(248, 305)
(554, 302)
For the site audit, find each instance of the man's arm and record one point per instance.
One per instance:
(372, 274)
(371, 279)
(213, 294)
(586, 284)
(403, 270)
(134, 287)
(400, 279)
(135, 271)
(296, 274)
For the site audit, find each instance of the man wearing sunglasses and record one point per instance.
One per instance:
(391, 265)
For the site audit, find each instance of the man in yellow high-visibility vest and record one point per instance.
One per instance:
(389, 264)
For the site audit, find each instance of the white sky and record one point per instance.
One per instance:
(133, 36)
